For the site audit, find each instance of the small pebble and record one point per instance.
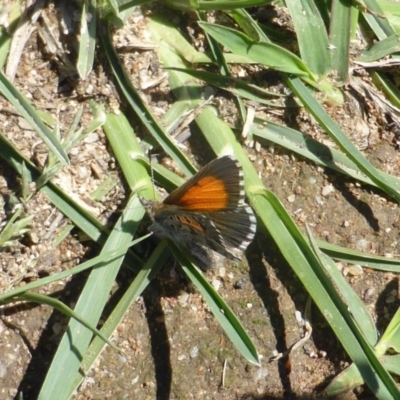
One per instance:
(183, 298)
(355, 270)
(327, 190)
(194, 352)
(216, 284)
(362, 244)
(319, 201)
(239, 284)
(3, 370)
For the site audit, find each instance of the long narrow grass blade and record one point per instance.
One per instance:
(301, 258)
(311, 35)
(351, 256)
(143, 278)
(340, 138)
(248, 25)
(225, 316)
(28, 112)
(267, 54)
(374, 16)
(387, 86)
(381, 49)
(80, 217)
(128, 151)
(65, 366)
(99, 261)
(356, 307)
(87, 42)
(141, 109)
(339, 38)
(60, 306)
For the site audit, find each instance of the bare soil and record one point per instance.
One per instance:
(174, 347)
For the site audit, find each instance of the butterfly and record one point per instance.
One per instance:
(207, 212)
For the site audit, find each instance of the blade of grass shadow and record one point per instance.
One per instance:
(29, 114)
(299, 255)
(225, 316)
(323, 292)
(65, 366)
(235, 86)
(141, 281)
(356, 307)
(334, 132)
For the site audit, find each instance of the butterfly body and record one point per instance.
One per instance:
(208, 211)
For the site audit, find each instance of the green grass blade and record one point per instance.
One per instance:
(141, 109)
(381, 49)
(374, 16)
(267, 54)
(60, 306)
(225, 316)
(315, 151)
(355, 305)
(87, 42)
(98, 261)
(339, 38)
(391, 337)
(380, 263)
(128, 153)
(65, 365)
(30, 115)
(154, 263)
(311, 36)
(348, 379)
(384, 83)
(248, 25)
(340, 138)
(80, 217)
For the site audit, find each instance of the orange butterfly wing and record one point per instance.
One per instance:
(218, 186)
